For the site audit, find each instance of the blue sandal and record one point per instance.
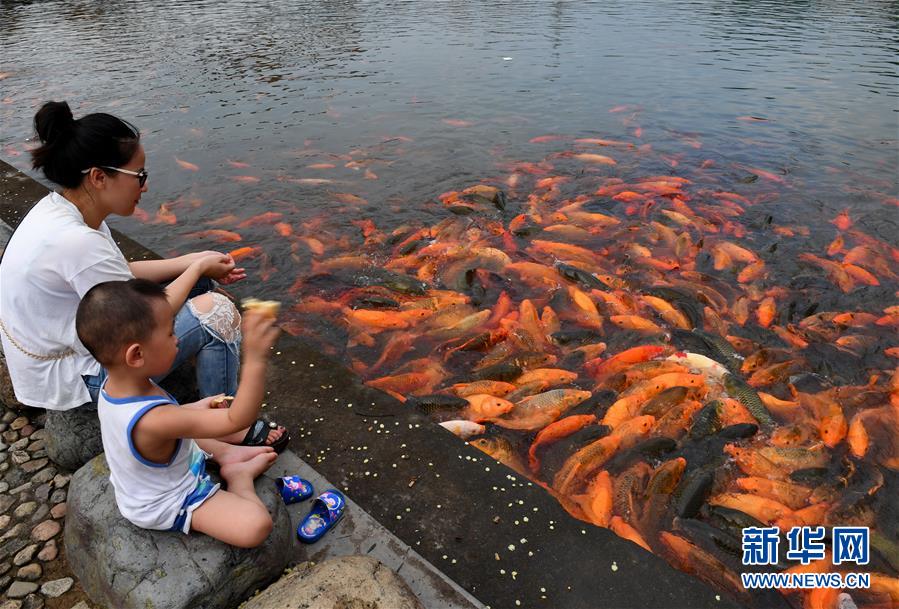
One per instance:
(327, 510)
(294, 489)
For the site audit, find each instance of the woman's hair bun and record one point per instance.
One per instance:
(54, 120)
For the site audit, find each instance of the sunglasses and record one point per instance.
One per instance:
(141, 175)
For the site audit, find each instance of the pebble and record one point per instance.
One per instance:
(10, 436)
(58, 496)
(9, 417)
(5, 581)
(3, 446)
(33, 601)
(27, 431)
(4, 486)
(21, 589)
(45, 475)
(11, 604)
(4, 521)
(39, 454)
(25, 555)
(41, 514)
(21, 488)
(5, 567)
(19, 444)
(60, 480)
(57, 587)
(20, 456)
(5, 502)
(59, 510)
(30, 572)
(40, 434)
(34, 465)
(42, 493)
(81, 605)
(50, 551)
(45, 530)
(20, 530)
(36, 445)
(25, 509)
(4, 426)
(18, 423)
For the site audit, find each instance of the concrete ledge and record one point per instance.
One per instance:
(503, 540)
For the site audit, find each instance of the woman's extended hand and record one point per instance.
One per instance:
(220, 267)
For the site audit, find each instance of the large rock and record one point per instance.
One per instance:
(73, 436)
(121, 566)
(348, 582)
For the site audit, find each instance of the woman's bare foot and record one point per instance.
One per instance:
(248, 469)
(233, 453)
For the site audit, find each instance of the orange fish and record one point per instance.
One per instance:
(842, 221)
(761, 508)
(626, 531)
(624, 359)
(483, 407)
(245, 179)
(187, 165)
(457, 122)
(284, 229)
(766, 311)
(595, 158)
(216, 234)
(165, 215)
(349, 199)
(268, 217)
(238, 164)
(245, 252)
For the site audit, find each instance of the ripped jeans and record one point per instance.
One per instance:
(209, 337)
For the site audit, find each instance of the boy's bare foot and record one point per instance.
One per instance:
(233, 453)
(251, 469)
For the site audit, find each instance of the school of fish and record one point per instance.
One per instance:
(653, 348)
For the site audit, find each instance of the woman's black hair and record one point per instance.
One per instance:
(69, 146)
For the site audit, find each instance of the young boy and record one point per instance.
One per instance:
(156, 449)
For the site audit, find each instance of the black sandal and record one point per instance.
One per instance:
(257, 435)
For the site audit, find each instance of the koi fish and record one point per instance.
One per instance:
(187, 165)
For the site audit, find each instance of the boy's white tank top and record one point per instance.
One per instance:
(148, 494)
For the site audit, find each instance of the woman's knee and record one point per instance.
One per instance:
(217, 313)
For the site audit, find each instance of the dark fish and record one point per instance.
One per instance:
(503, 371)
(435, 403)
(865, 481)
(664, 401)
(410, 247)
(573, 273)
(649, 449)
(382, 277)
(682, 301)
(738, 388)
(693, 490)
(575, 337)
(710, 345)
(596, 404)
(886, 548)
(373, 301)
(556, 454)
(707, 421)
(811, 476)
(711, 538)
(728, 519)
(739, 430)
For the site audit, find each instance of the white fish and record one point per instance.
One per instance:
(464, 429)
(700, 363)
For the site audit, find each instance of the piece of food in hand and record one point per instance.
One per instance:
(266, 307)
(219, 401)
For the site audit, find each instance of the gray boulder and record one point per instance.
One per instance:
(121, 566)
(73, 436)
(348, 582)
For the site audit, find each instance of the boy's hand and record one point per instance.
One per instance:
(259, 335)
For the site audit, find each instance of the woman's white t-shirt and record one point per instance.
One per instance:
(51, 261)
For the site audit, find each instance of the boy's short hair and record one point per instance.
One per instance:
(115, 313)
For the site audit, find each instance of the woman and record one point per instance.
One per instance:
(62, 248)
